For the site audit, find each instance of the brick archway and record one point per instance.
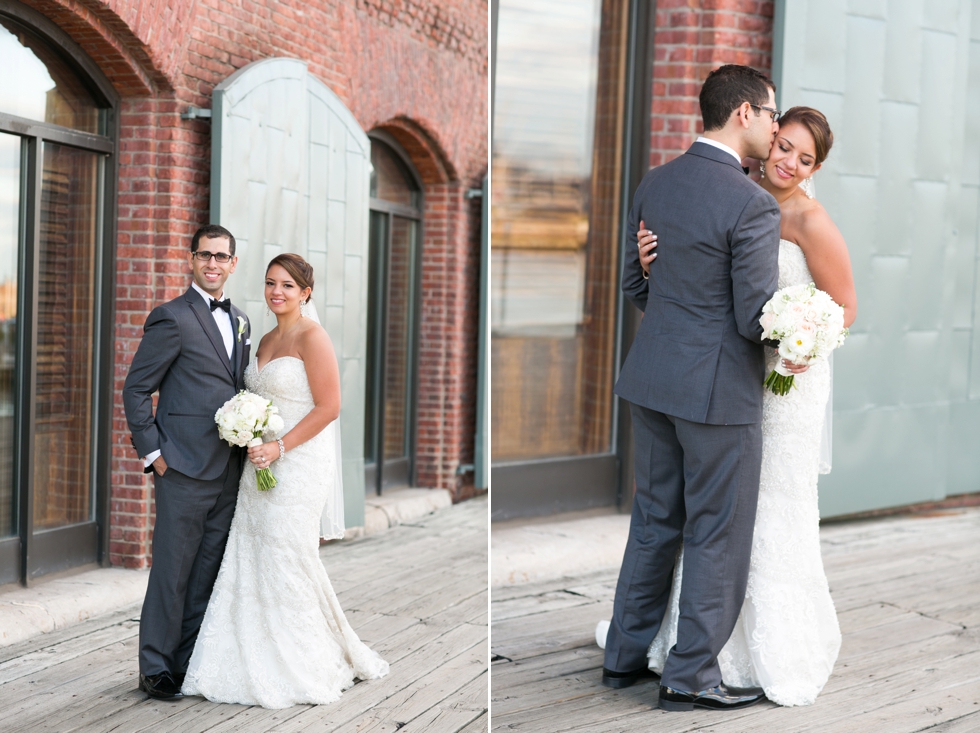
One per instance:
(449, 311)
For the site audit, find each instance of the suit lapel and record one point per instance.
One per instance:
(200, 309)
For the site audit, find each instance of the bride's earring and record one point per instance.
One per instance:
(762, 168)
(808, 187)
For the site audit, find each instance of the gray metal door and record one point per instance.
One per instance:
(900, 83)
(290, 169)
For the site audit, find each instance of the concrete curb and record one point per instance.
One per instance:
(398, 507)
(551, 550)
(55, 604)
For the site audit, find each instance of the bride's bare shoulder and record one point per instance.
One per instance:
(814, 223)
(806, 222)
(313, 339)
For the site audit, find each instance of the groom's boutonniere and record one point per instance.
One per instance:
(242, 323)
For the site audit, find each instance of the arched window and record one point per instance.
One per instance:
(395, 241)
(56, 198)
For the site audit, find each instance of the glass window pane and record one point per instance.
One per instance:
(39, 85)
(398, 350)
(378, 244)
(557, 171)
(10, 162)
(389, 179)
(65, 330)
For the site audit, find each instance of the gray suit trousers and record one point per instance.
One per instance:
(700, 484)
(193, 518)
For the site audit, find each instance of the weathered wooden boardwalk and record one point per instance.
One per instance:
(416, 593)
(907, 592)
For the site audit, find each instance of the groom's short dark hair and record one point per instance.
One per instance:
(213, 231)
(726, 88)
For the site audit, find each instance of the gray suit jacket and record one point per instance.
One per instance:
(698, 354)
(183, 356)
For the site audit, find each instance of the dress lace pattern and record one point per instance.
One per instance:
(274, 633)
(786, 638)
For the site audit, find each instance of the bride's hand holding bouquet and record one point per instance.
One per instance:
(808, 325)
(243, 420)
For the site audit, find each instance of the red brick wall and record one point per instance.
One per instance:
(415, 66)
(692, 38)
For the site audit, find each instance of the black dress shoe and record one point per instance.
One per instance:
(160, 686)
(626, 679)
(721, 697)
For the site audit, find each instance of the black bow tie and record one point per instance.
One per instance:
(225, 305)
(745, 170)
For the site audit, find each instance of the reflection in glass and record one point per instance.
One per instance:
(557, 169)
(65, 332)
(39, 84)
(10, 159)
(394, 238)
(378, 247)
(399, 346)
(389, 180)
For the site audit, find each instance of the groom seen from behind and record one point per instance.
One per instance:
(194, 351)
(693, 378)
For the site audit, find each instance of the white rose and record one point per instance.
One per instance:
(275, 423)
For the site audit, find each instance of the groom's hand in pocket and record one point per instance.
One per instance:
(160, 466)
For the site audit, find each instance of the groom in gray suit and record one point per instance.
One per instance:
(194, 351)
(693, 378)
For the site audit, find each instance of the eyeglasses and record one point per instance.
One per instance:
(776, 114)
(205, 256)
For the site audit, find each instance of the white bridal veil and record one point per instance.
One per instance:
(332, 518)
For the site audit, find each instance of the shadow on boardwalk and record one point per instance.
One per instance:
(417, 594)
(907, 592)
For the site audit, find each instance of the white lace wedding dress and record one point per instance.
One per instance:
(274, 633)
(786, 638)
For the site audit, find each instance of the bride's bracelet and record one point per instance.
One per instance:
(282, 448)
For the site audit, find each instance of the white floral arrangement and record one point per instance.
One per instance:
(243, 420)
(808, 325)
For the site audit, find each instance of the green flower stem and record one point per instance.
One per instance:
(265, 479)
(778, 384)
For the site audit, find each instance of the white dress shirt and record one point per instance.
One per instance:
(721, 146)
(223, 321)
(221, 318)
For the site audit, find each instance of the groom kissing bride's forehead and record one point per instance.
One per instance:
(692, 378)
(730, 470)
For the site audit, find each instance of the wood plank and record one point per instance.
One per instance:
(31, 663)
(906, 591)
(457, 712)
(85, 678)
(549, 632)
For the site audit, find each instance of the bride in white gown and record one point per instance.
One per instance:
(274, 633)
(786, 638)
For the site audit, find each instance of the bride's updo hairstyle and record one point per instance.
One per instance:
(814, 121)
(299, 269)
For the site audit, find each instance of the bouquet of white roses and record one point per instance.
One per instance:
(243, 419)
(808, 325)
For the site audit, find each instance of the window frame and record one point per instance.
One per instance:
(374, 471)
(42, 552)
